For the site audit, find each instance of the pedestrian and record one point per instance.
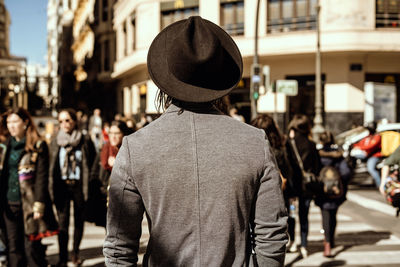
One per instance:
(100, 174)
(72, 156)
(3, 248)
(392, 160)
(104, 131)
(131, 123)
(233, 112)
(82, 120)
(332, 156)
(288, 167)
(203, 178)
(371, 146)
(300, 132)
(95, 128)
(25, 204)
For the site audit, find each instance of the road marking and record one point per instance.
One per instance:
(371, 204)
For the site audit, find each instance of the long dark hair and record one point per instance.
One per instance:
(163, 101)
(32, 134)
(122, 127)
(300, 123)
(267, 123)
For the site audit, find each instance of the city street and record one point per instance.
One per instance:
(368, 234)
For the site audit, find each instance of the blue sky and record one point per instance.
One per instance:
(28, 30)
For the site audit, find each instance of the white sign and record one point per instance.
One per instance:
(287, 87)
(380, 102)
(266, 72)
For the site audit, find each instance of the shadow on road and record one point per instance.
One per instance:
(333, 263)
(346, 241)
(85, 254)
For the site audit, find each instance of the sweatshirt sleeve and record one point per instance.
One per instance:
(125, 214)
(270, 216)
(42, 175)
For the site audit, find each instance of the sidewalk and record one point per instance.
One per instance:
(360, 241)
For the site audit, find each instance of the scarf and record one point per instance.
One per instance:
(106, 152)
(69, 142)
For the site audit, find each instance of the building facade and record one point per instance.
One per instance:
(12, 68)
(359, 45)
(93, 50)
(54, 31)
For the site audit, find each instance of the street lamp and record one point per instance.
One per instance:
(254, 83)
(318, 122)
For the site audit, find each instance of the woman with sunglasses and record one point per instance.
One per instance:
(101, 171)
(26, 208)
(72, 154)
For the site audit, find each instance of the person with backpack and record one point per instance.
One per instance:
(288, 167)
(390, 184)
(334, 177)
(309, 162)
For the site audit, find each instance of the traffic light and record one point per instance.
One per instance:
(255, 80)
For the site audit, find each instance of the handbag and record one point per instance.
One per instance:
(310, 183)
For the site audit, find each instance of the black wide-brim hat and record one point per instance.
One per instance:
(194, 60)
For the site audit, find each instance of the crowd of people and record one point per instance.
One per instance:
(216, 191)
(36, 175)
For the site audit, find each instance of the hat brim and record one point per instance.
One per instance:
(167, 82)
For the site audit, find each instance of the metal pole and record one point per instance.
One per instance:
(275, 106)
(253, 102)
(318, 122)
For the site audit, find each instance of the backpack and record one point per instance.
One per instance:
(332, 185)
(392, 190)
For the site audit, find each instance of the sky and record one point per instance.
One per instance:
(28, 29)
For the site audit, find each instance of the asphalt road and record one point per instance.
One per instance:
(368, 234)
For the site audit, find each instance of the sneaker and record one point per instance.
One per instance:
(292, 247)
(303, 252)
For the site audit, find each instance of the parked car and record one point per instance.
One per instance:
(347, 140)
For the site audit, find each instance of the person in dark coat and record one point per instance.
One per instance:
(25, 205)
(96, 208)
(209, 184)
(287, 165)
(331, 155)
(72, 156)
(300, 131)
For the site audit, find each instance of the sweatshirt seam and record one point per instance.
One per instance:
(196, 174)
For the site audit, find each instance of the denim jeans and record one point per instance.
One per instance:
(371, 167)
(304, 207)
(21, 251)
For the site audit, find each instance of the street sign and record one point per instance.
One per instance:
(287, 87)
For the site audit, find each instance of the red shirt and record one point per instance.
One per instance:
(370, 144)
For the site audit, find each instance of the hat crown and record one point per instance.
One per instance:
(196, 55)
(194, 60)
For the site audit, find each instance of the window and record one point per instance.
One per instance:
(232, 16)
(291, 15)
(173, 11)
(125, 39)
(105, 10)
(96, 13)
(388, 13)
(133, 25)
(106, 53)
